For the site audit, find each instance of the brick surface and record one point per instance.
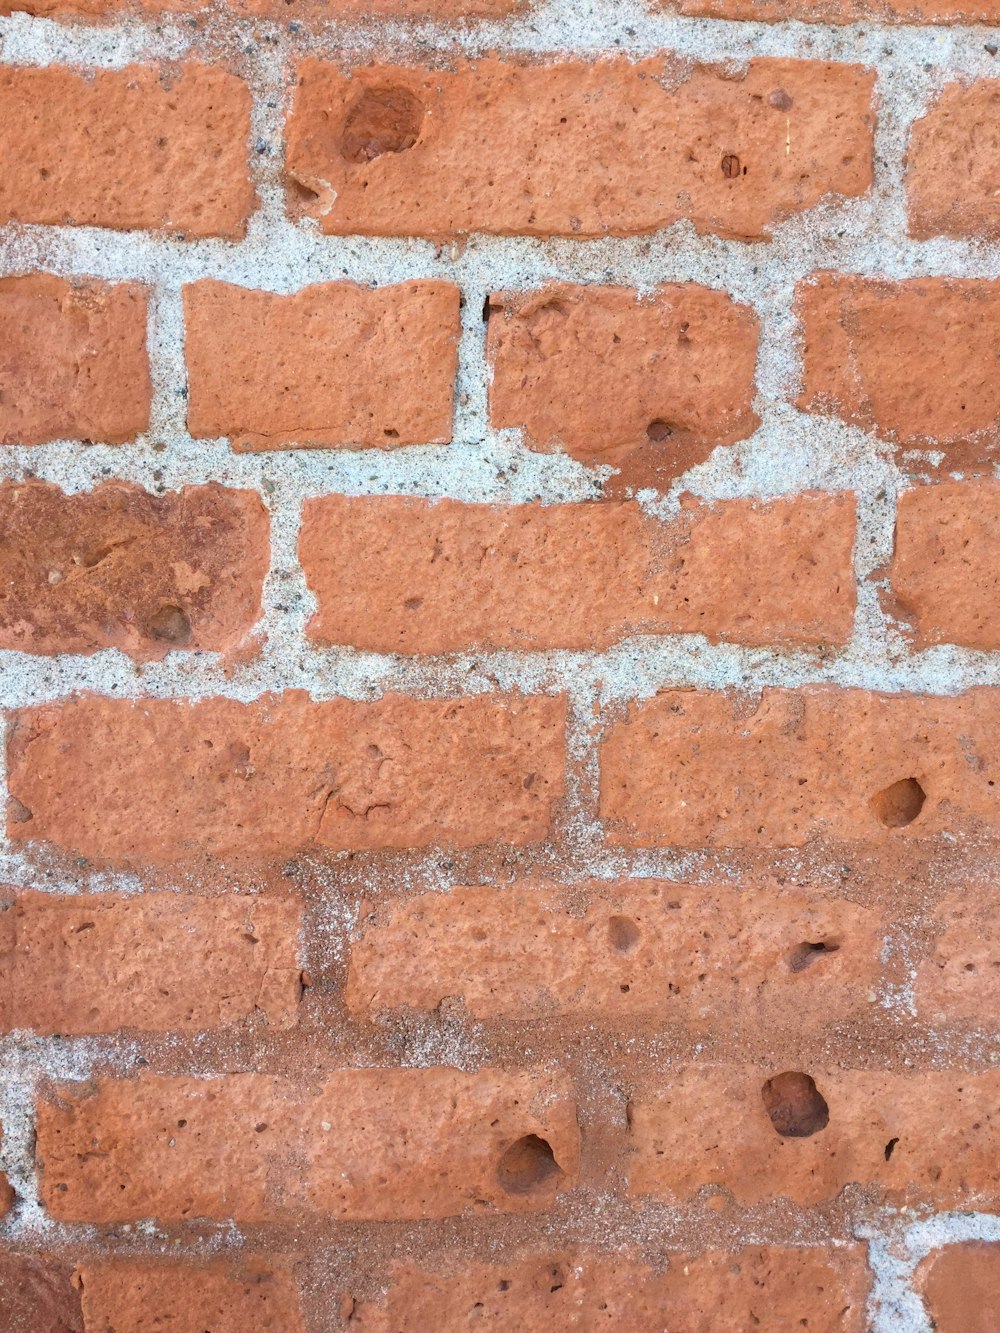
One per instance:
(615, 954)
(444, 576)
(358, 1144)
(847, 11)
(953, 160)
(182, 166)
(6, 1192)
(959, 982)
(908, 1138)
(309, 10)
(160, 781)
(73, 361)
(960, 1285)
(159, 962)
(37, 1294)
(693, 768)
(714, 1292)
(669, 376)
(245, 1296)
(914, 361)
(610, 147)
(117, 567)
(335, 364)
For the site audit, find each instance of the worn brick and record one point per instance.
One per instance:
(335, 364)
(359, 1144)
(158, 781)
(73, 361)
(444, 576)
(847, 11)
(960, 1285)
(609, 147)
(959, 982)
(694, 768)
(316, 11)
(714, 1292)
(117, 567)
(86, 963)
(646, 950)
(6, 1192)
(953, 163)
(916, 1138)
(669, 375)
(37, 1294)
(135, 148)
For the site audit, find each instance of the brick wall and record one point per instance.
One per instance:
(499, 661)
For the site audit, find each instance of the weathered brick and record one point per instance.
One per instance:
(646, 950)
(305, 10)
(182, 165)
(159, 781)
(693, 768)
(960, 980)
(243, 1296)
(714, 1292)
(953, 162)
(444, 576)
(927, 1137)
(334, 364)
(37, 1295)
(117, 567)
(575, 148)
(73, 361)
(847, 11)
(960, 1285)
(669, 376)
(158, 962)
(360, 1144)
(914, 361)
(944, 576)
(6, 1193)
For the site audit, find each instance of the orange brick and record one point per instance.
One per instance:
(181, 167)
(117, 567)
(334, 365)
(159, 781)
(953, 162)
(395, 574)
(960, 1285)
(362, 1144)
(308, 10)
(960, 981)
(86, 963)
(691, 768)
(669, 376)
(6, 1199)
(37, 1294)
(73, 360)
(609, 147)
(921, 1138)
(611, 954)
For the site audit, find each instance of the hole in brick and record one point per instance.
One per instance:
(170, 625)
(795, 1105)
(730, 166)
(657, 431)
(806, 953)
(18, 812)
(390, 433)
(623, 933)
(899, 804)
(890, 1148)
(529, 1164)
(382, 120)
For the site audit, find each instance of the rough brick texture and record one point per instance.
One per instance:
(312, 10)
(952, 163)
(847, 11)
(335, 364)
(397, 150)
(961, 1288)
(440, 577)
(37, 1294)
(959, 981)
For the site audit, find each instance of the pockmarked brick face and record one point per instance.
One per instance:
(315, 11)
(567, 148)
(960, 1286)
(847, 11)
(952, 163)
(37, 1292)
(958, 982)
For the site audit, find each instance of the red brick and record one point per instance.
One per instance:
(6, 1193)
(920, 1138)
(157, 962)
(443, 576)
(307, 10)
(959, 982)
(691, 768)
(953, 162)
(117, 567)
(914, 361)
(362, 1144)
(37, 1295)
(225, 1296)
(669, 376)
(944, 576)
(575, 148)
(160, 781)
(611, 954)
(713, 1292)
(847, 11)
(332, 365)
(960, 1285)
(182, 165)
(73, 360)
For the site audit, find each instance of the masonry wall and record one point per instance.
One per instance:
(500, 668)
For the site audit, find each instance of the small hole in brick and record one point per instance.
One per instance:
(657, 431)
(623, 934)
(18, 812)
(390, 433)
(890, 1148)
(170, 625)
(529, 1164)
(899, 804)
(806, 953)
(382, 120)
(796, 1107)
